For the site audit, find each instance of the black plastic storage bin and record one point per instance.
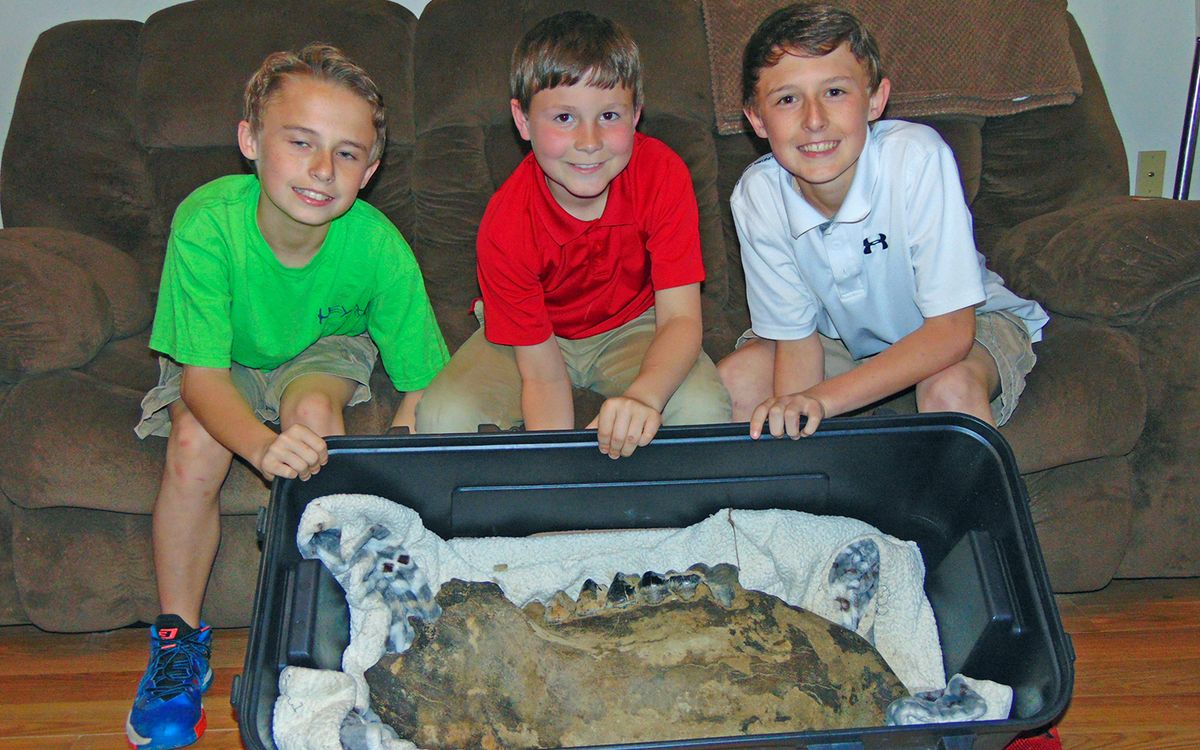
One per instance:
(947, 482)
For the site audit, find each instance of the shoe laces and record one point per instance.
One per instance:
(174, 666)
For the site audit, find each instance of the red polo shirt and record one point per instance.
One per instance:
(543, 272)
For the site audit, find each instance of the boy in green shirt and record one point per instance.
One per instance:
(278, 292)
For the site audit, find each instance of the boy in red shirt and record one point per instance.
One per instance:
(588, 260)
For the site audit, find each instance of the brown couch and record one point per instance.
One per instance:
(116, 121)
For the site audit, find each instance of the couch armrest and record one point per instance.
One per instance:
(72, 159)
(64, 295)
(1109, 261)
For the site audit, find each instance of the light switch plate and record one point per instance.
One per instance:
(1150, 167)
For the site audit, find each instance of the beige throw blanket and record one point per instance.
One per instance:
(944, 57)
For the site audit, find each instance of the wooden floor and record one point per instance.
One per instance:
(1137, 683)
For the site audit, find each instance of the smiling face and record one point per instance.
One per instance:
(582, 137)
(815, 112)
(312, 155)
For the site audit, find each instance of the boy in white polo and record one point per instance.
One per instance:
(862, 275)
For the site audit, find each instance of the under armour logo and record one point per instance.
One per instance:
(881, 240)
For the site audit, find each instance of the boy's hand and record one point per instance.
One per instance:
(623, 424)
(295, 452)
(782, 414)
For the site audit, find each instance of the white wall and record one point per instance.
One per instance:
(1142, 48)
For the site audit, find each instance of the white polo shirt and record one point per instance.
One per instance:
(899, 250)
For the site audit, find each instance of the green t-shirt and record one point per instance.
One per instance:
(225, 298)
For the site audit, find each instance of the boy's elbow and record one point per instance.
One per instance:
(953, 334)
(687, 336)
(963, 337)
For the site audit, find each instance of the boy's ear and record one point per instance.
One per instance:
(369, 174)
(247, 141)
(637, 115)
(520, 118)
(756, 122)
(879, 100)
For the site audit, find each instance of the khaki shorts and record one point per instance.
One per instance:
(481, 384)
(350, 357)
(1003, 335)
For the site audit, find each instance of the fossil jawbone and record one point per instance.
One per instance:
(636, 661)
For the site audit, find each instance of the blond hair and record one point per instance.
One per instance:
(323, 62)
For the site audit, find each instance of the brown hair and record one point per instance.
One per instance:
(323, 62)
(575, 46)
(808, 29)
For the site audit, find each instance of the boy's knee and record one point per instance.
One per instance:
(317, 410)
(701, 398)
(952, 389)
(745, 375)
(196, 463)
(442, 411)
(191, 441)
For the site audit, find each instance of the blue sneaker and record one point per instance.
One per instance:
(167, 711)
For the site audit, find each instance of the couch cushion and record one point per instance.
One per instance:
(119, 587)
(115, 272)
(129, 363)
(52, 313)
(1083, 514)
(1108, 260)
(1085, 398)
(87, 455)
(1049, 158)
(11, 610)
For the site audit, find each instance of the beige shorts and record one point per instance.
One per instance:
(350, 357)
(482, 385)
(1003, 335)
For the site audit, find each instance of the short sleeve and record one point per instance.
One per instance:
(941, 239)
(402, 324)
(509, 279)
(781, 304)
(673, 226)
(192, 318)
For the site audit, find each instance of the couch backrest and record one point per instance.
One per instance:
(1046, 159)
(1011, 167)
(110, 149)
(72, 160)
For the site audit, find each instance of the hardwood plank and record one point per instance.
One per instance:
(35, 664)
(218, 739)
(1124, 646)
(1163, 615)
(1137, 649)
(1172, 713)
(28, 690)
(25, 650)
(1152, 677)
(1131, 740)
(41, 743)
(95, 715)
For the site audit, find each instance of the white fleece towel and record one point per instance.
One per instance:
(789, 554)
(785, 553)
(311, 706)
